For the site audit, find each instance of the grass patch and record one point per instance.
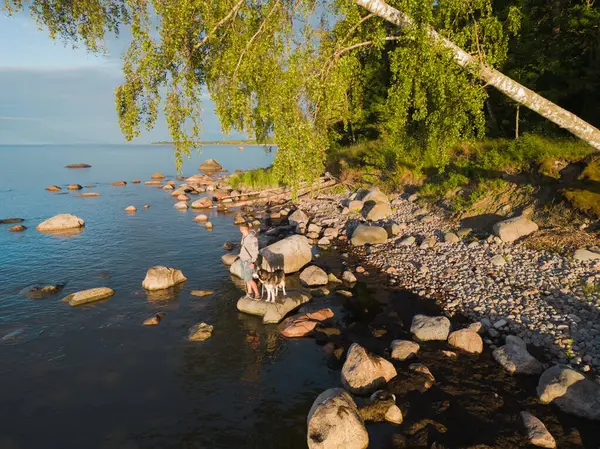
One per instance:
(260, 178)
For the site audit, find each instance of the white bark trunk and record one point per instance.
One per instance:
(503, 83)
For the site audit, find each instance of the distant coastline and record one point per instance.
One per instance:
(249, 143)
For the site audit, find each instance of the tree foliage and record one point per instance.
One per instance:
(308, 72)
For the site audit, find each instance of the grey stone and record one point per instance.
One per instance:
(426, 328)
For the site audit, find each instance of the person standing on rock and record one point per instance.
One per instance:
(248, 256)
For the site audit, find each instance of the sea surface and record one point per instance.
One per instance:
(94, 376)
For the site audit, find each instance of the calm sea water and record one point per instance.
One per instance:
(94, 376)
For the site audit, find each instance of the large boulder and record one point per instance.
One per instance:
(537, 433)
(236, 268)
(62, 222)
(202, 203)
(372, 235)
(297, 217)
(313, 276)
(375, 195)
(289, 254)
(515, 359)
(335, 423)
(364, 372)
(466, 340)
(427, 328)
(378, 211)
(404, 349)
(210, 165)
(160, 278)
(584, 255)
(514, 228)
(85, 296)
(229, 259)
(273, 313)
(571, 391)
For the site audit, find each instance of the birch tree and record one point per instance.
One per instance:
(296, 69)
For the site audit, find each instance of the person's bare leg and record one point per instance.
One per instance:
(254, 288)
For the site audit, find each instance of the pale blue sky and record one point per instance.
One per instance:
(50, 93)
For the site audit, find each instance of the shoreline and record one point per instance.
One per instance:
(536, 295)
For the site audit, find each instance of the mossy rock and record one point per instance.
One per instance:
(584, 200)
(592, 171)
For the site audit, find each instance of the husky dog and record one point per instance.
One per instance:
(271, 281)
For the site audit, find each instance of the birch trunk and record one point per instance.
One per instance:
(503, 83)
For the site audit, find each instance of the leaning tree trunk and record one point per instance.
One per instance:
(503, 83)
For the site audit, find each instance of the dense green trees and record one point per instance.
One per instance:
(311, 72)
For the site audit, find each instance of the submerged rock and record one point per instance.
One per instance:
(36, 292)
(154, 319)
(159, 278)
(78, 166)
(364, 372)
(53, 188)
(426, 328)
(88, 194)
(201, 293)
(514, 228)
(273, 313)
(313, 276)
(11, 220)
(537, 433)
(335, 423)
(372, 235)
(515, 359)
(571, 391)
(200, 332)
(86, 296)
(61, 222)
(17, 228)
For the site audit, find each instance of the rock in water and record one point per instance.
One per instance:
(62, 222)
(335, 423)
(378, 211)
(514, 228)
(17, 228)
(78, 166)
(85, 296)
(372, 235)
(289, 254)
(159, 278)
(75, 187)
(130, 209)
(201, 293)
(118, 184)
(202, 203)
(427, 328)
(536, 431)
(200, 332)
(313, 276)
(201, 218)
(200, 180)
(466, 340)
(210, 165)
(364, 372)
(515, 359)
(181, 205)
(157, 176)
(571, 391)
(53, 188)
(229, 259)
(273, 313)
(11, 220)
(404, 349)
(299, 328)
(154, 319)
(36, 292)
(297, 218)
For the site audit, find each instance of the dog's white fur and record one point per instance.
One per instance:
(272, 289)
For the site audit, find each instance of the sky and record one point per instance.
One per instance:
(52, 94)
